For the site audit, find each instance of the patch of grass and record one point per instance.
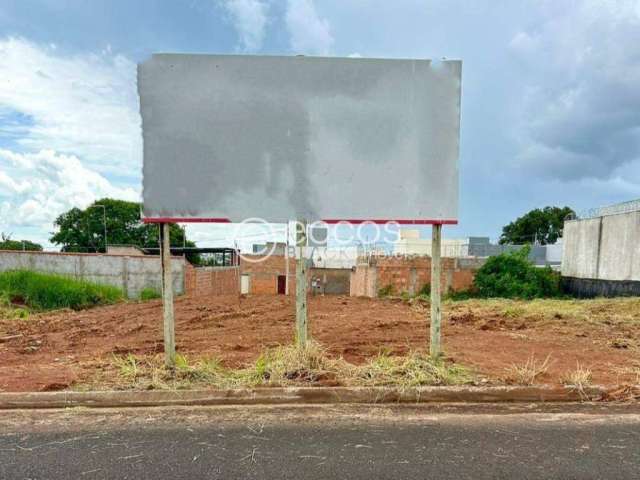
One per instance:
(612, 312)
(527, 373)
(413, 370)
(513, 312)
(42, 291)
(11, 312)
(425, 290)
(579, 378)
(288, 365)
(459, 295)
(385, 291)
(127, 366)
(149, 294)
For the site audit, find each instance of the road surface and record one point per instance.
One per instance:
(410, 442)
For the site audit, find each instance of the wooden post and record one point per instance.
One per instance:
(167, 297)
(301, 284)
(286, 261)
(436, 313)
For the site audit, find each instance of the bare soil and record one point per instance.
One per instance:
(58, 350)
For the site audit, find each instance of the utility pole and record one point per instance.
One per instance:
(301, 284)
(436, 312)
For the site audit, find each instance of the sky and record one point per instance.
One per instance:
(550, 96)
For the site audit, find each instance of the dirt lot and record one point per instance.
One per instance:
(63, 349)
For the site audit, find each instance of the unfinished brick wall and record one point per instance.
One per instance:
(211, 280)
(409, 274)
(264, 271)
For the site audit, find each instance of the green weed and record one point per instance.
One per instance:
(43, 291)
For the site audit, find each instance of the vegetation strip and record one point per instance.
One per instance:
(299, 395)
(42, 291)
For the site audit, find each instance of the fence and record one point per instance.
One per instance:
(602, 255)
(131, 273)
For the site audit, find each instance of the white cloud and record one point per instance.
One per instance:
(579, 113)
(81, 104)
(250, 21)
(308, 32)
(51, 183)
(69, 123)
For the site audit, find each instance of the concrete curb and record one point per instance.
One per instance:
(297, 395)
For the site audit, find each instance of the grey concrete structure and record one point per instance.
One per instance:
(131, 273)
(601, 255)
(240, 136)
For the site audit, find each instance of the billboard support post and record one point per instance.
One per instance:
(167, 297)
(286, 261)
(436, 312)
(301, 284)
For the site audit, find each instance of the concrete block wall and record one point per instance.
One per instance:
(409, 274)
(331, 281)
(131, 273)
(603, 248)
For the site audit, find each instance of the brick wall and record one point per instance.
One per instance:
(264, 270)
(211, 280)
(409, 274)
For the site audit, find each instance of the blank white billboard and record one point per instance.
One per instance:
(278, 138)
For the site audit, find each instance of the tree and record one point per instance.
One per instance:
(543, 226)
(83, 230)
(7, 244)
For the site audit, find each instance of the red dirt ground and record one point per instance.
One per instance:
(55, 350)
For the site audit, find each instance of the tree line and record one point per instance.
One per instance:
(83, 230)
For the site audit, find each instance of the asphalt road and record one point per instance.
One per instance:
(320, 442)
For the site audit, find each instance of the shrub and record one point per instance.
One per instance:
(46, 291)
(425, 290)
(511, 275)
(149, 294)
(385, 291)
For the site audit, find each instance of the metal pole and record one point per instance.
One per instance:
(167, 297)
(436, 312)
(301, 284)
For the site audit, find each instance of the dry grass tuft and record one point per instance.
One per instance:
(286, 365)
(579, 378)
(528, 372)
(599, 311)
(413, 370)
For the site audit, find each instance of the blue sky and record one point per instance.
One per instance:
(551, 92)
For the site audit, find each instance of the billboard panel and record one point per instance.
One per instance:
(239, 136)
